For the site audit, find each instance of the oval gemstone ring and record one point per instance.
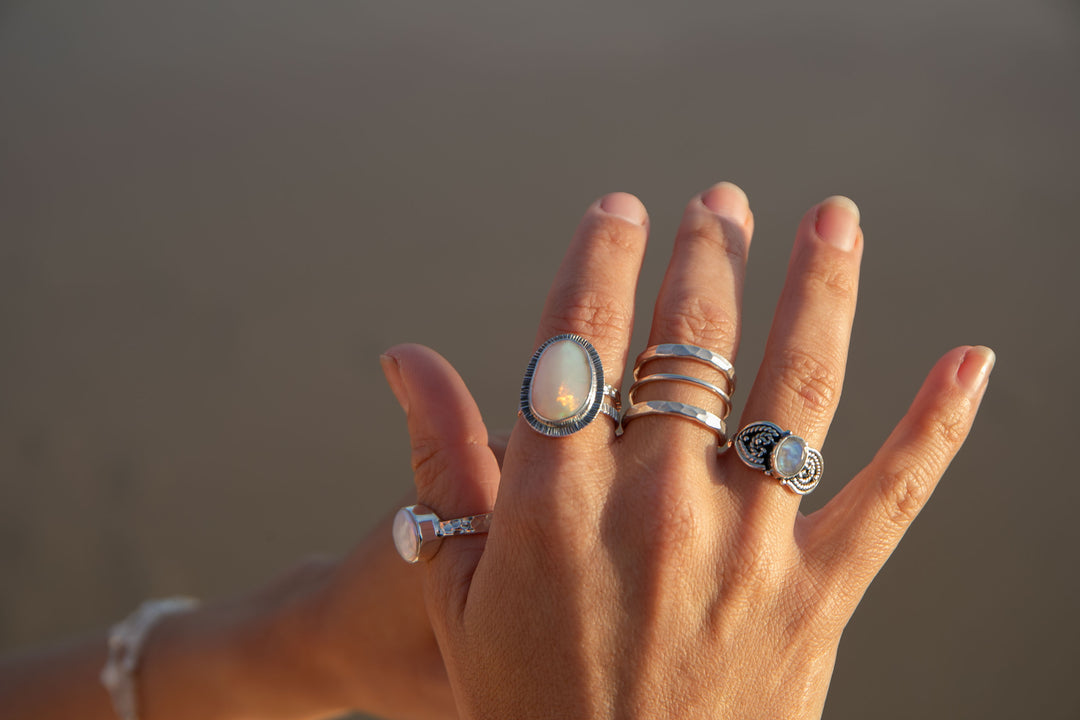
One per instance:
(564, 390)
(779, 453)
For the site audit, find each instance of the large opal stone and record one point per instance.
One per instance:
(561, 382)
(789, 456)
(406, 537)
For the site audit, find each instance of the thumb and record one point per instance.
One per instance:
(455, 471)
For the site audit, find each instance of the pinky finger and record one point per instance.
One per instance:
(862, 525)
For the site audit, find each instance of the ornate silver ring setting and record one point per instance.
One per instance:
(418, 532)
(564, 390)
(780, 454)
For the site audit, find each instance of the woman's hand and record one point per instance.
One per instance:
(647, 575)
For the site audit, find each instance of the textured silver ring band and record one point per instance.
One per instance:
(687, 379)
(612, 411)
(779, 453)
(418, 531)
(683, 351)
(678, 409)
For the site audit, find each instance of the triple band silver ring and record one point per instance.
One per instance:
(714, 421)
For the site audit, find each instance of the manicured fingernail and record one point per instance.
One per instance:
(838, 222)
(625, 206)
(729, 200)
(975, 368)
(393, 378)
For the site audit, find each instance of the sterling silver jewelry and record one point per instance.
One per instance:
(611, 404)
(126, 641)
(418, 531)
(779, 453)
(687, 352)
(563, 389)
(675, 377)
(678, 409)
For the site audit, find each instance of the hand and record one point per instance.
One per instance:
(647, 575)
(366, 618)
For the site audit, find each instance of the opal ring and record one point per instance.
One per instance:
(564, 390)
(418, 531)
(780, 454)
(678, 409)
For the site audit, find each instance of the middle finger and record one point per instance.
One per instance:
(699, 304)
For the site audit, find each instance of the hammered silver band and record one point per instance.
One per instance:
(469, 525)
(780, 454)
(682, 351)
(611, 405)
(418, 531)
(669, 407)
(687, 379)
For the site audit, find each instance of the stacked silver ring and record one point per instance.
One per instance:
(702, 416)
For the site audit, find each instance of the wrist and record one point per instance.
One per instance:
(259, 656)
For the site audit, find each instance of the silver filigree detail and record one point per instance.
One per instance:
(754, 445)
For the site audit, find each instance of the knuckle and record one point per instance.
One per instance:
(673, 524)
(947, 428)
(750, 568)
(906, 489)
(815, 381)
(699, 320)
(723, 235)
(592, 314)
(616, 233)
(431, 461)
(832, 276)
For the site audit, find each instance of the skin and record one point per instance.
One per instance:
(638, 576)
(648, 576)
(326, 636)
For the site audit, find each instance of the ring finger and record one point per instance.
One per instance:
(799, 382)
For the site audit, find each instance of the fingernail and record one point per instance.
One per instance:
(393, 378)
(975, 368)
(625, 206)
(838, 222)
(729, 200)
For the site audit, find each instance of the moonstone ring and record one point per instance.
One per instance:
(418, 531)
(564, 390)
(784, 456)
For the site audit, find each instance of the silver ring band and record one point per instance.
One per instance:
(678, 409)
(687, 352)
(611, 410)
(614, 395)
(675, 377)
(780, 454)
(418, 532)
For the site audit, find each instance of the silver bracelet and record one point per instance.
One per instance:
(126, 641)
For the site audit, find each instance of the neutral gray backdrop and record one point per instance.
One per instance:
(213, 217)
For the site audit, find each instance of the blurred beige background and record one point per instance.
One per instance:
(213, 217)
